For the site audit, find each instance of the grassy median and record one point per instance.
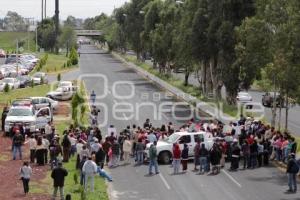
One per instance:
(8, 41)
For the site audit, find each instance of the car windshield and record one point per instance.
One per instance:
(8, 80)
(38, 75)
(20, 112)
(173, 138)
(64, 84)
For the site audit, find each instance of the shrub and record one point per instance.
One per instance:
(58, 77)
(6, 88)
(75, 177)
(73, 56)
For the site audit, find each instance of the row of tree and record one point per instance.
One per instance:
(49, 40)
(14, 22)
(230, 43)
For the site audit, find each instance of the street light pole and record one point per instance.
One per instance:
(56, 22)
(42, 10)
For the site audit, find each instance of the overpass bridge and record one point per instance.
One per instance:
(88, 32)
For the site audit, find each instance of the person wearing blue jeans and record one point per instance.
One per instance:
(292, 171)
(103, 174)
(17, 142)
(203, 153)
(203, 164)
(153, 158)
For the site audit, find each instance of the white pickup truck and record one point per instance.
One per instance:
(164, 148)
(27, 117)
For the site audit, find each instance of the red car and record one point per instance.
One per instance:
(2, 53)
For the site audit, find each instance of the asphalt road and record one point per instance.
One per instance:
(131, 182)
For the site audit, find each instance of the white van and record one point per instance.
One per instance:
(164, 148)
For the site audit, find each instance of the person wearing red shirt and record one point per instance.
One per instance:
(176, 158)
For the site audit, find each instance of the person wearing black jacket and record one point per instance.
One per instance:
(100, 156)
(236, 151)
(4, 115)
(292, 170)
(253, 154)
(66, 144)
(58, 175)
(184, 157)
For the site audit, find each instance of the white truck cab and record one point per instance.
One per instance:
(27, 117)
(165, 147)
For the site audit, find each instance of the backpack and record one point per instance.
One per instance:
(295, 167)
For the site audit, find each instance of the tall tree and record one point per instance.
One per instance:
(14, 22)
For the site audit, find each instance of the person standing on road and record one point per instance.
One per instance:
(176, 158)
(89, 170)
(127, 147)
(140, 152)
(292, 171)
(17, 142)
(58, 175)
(25, 173)
(115, 153)
(153, 158)
(203, 154)
(196, 155)
(236, 151)
(93, 97)
(184, 157)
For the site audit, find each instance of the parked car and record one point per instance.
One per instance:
(39, 78)
(27, 117)
(67, 84)
(62, 94)
(11, 82)
(43, 102)
(24, 81)
(164, 148)
(244, 97)
(268, 98)
(2, 53)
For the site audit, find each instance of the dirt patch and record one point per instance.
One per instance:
(64, 109)
(12, 187)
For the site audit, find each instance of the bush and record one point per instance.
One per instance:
(73, 56)
(69, 63)
(58, 77)
(75, 177)
(6, 88)
(32, 84)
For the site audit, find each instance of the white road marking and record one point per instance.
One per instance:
(109, 92)
(164, 181)
(125, 116)
(115, 101)
(231, 178)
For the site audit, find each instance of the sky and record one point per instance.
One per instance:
(77, 8)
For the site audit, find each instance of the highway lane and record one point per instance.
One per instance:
(132, 182)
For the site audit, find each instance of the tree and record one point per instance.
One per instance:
(14, 22)
(71, 22)
(67, 38)
(46, 34)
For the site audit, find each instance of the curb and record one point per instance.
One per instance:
(178, 93)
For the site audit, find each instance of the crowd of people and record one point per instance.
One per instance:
(246, 144)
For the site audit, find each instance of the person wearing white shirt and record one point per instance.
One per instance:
(48, 129)
(127, 147)
(32, 146)
(89, 170)
(25, 174)
(73, 141)
(46, 144)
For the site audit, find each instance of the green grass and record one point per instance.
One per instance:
(39, 90)
(55, 64)
(8, 40)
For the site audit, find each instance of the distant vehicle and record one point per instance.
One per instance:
(43, 102)
(2, 53)
(11, 82)
(244, 97)
(268, 99)
(164, 148)
(66, 84)
(62, 94)
(39, 78)
(22, 102)
(24, 81)
(27, 117)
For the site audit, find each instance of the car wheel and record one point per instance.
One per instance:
(165, 157)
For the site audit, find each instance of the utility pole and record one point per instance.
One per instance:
(56, 22)
(42, 10)
(45, 9)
